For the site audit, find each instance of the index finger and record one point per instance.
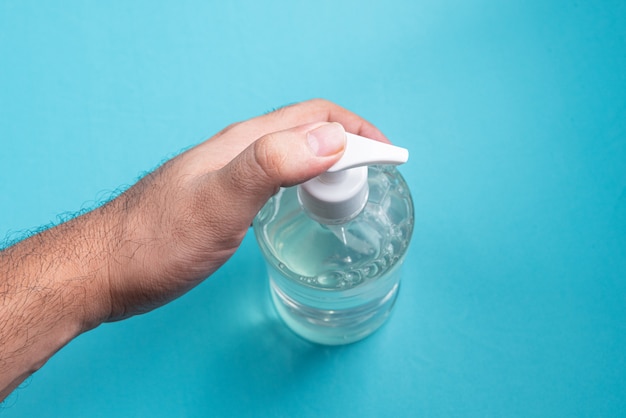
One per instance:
(311, 111)
(320, 110)
(228, 143)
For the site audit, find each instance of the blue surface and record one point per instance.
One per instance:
(514, 301)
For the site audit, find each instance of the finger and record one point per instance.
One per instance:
(279, 159)
(319, 110)
(312, 111)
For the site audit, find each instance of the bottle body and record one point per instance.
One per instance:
(336, 284)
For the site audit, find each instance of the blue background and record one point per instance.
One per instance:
(514, 295)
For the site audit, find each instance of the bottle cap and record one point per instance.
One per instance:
(340, 194)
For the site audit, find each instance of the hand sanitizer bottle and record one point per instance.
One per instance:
(335, 244)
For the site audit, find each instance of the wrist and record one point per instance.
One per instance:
(97, 240)
(54, 287)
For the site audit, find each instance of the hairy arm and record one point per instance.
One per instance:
(53, 285)
(162, 237)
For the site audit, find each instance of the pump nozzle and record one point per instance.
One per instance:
(362, 151)
(341, 193)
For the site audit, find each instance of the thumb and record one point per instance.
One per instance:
(283, 158)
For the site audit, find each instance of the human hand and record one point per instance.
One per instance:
(180, 223)
(160, 238)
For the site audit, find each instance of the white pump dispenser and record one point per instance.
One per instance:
(341, 193)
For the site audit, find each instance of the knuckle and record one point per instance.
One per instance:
(268, 160)
(320, 104)
(318, 101)
(229, 128)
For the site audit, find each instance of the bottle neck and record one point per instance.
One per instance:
(335, 198)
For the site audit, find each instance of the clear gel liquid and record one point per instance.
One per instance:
(335, 284)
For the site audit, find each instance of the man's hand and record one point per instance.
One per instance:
(163, 236)
(182, 222)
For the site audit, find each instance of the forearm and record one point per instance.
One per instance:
(51, 290)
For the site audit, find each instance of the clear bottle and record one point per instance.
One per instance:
(334, 246)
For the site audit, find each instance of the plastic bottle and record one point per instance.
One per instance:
(334, 245)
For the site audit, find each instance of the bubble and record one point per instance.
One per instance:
(330, 280)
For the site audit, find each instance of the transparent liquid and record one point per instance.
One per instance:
(335, 284)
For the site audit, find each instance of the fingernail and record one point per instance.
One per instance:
(327, 140)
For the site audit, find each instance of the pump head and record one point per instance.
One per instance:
(340, 193)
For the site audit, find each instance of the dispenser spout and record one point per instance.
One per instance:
(362, 151)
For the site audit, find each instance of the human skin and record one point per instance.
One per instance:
(163, 236)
